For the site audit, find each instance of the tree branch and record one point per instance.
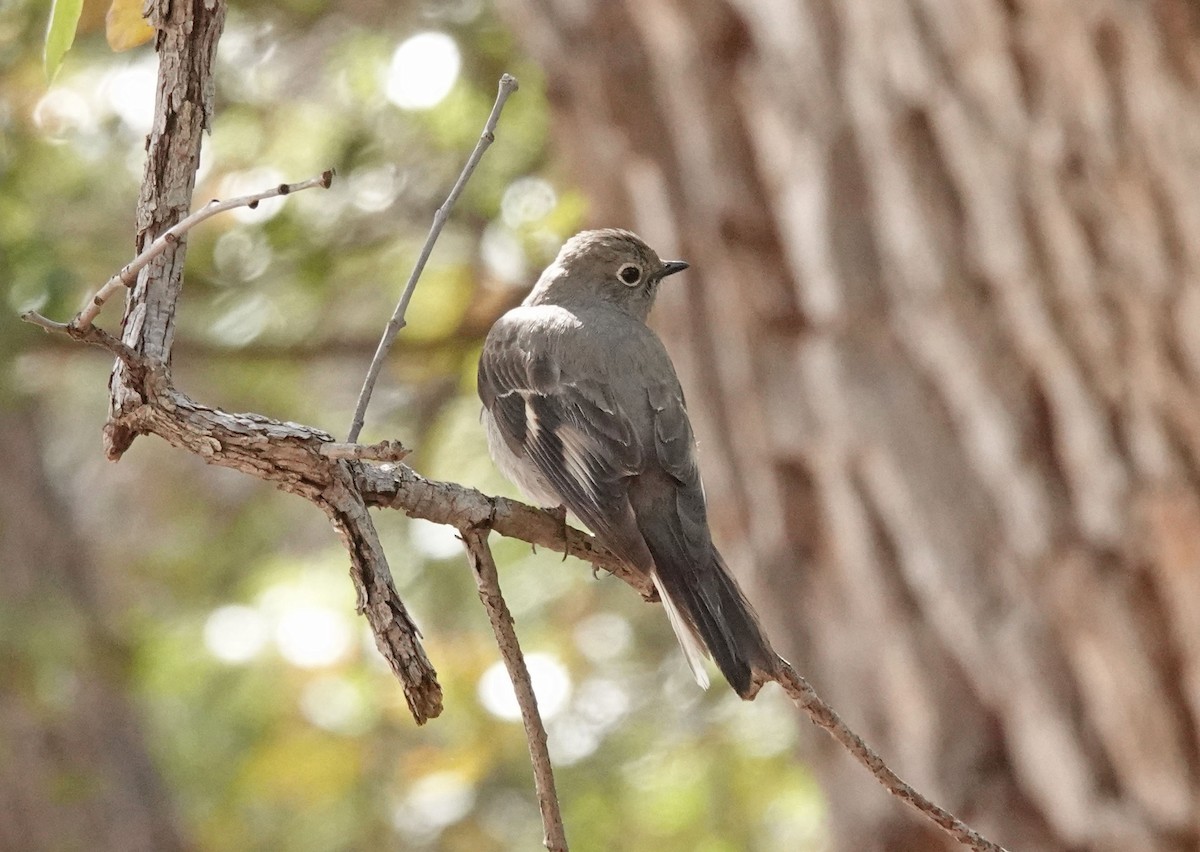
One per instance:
(488, 581)
(400, 487)
(508, 85)
(824, 716)
(297, 459)
(290, 456)
(396, 635)
(126, 277)
(142, 398)
(186, 41)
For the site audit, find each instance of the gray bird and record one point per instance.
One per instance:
(583, 409)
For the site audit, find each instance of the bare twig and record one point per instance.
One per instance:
(91, 335)
(128, 274)
(824, 716)
(488, 581)
(508, 85)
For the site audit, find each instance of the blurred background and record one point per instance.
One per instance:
(939, 342)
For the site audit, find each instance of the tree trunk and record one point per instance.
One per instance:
(940, 341)
(74, 769)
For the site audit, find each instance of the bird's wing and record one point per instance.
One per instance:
(571, 428)
(675, 454)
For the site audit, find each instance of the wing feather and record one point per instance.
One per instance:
(572, 430)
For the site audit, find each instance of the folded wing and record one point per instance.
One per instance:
(573, 431)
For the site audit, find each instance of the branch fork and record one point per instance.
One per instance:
(128, 274)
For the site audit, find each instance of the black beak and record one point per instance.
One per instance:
(670, 267)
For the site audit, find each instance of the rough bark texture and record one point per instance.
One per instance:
(188, 31)
(939, 340)
(75, 772)
(290, 456)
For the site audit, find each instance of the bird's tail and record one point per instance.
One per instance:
(710, 615)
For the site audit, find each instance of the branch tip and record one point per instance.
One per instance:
(128, 273)
(45, 324)
(824, 716)
(508, 85)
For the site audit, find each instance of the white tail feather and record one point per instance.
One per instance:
(693, 651)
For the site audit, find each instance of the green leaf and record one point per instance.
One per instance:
(60, 35)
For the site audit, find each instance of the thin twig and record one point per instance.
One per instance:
(824, 716)
(488, 582)
(91, 335)
(128, 274)
(508, 85)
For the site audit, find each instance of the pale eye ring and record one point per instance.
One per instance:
(630, 274)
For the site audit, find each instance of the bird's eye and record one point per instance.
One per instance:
(630, 274)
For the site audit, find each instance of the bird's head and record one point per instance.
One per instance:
(611, 265)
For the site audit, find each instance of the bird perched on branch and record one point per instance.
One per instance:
(583, 409)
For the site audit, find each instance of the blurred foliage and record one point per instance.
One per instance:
(270, 713)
